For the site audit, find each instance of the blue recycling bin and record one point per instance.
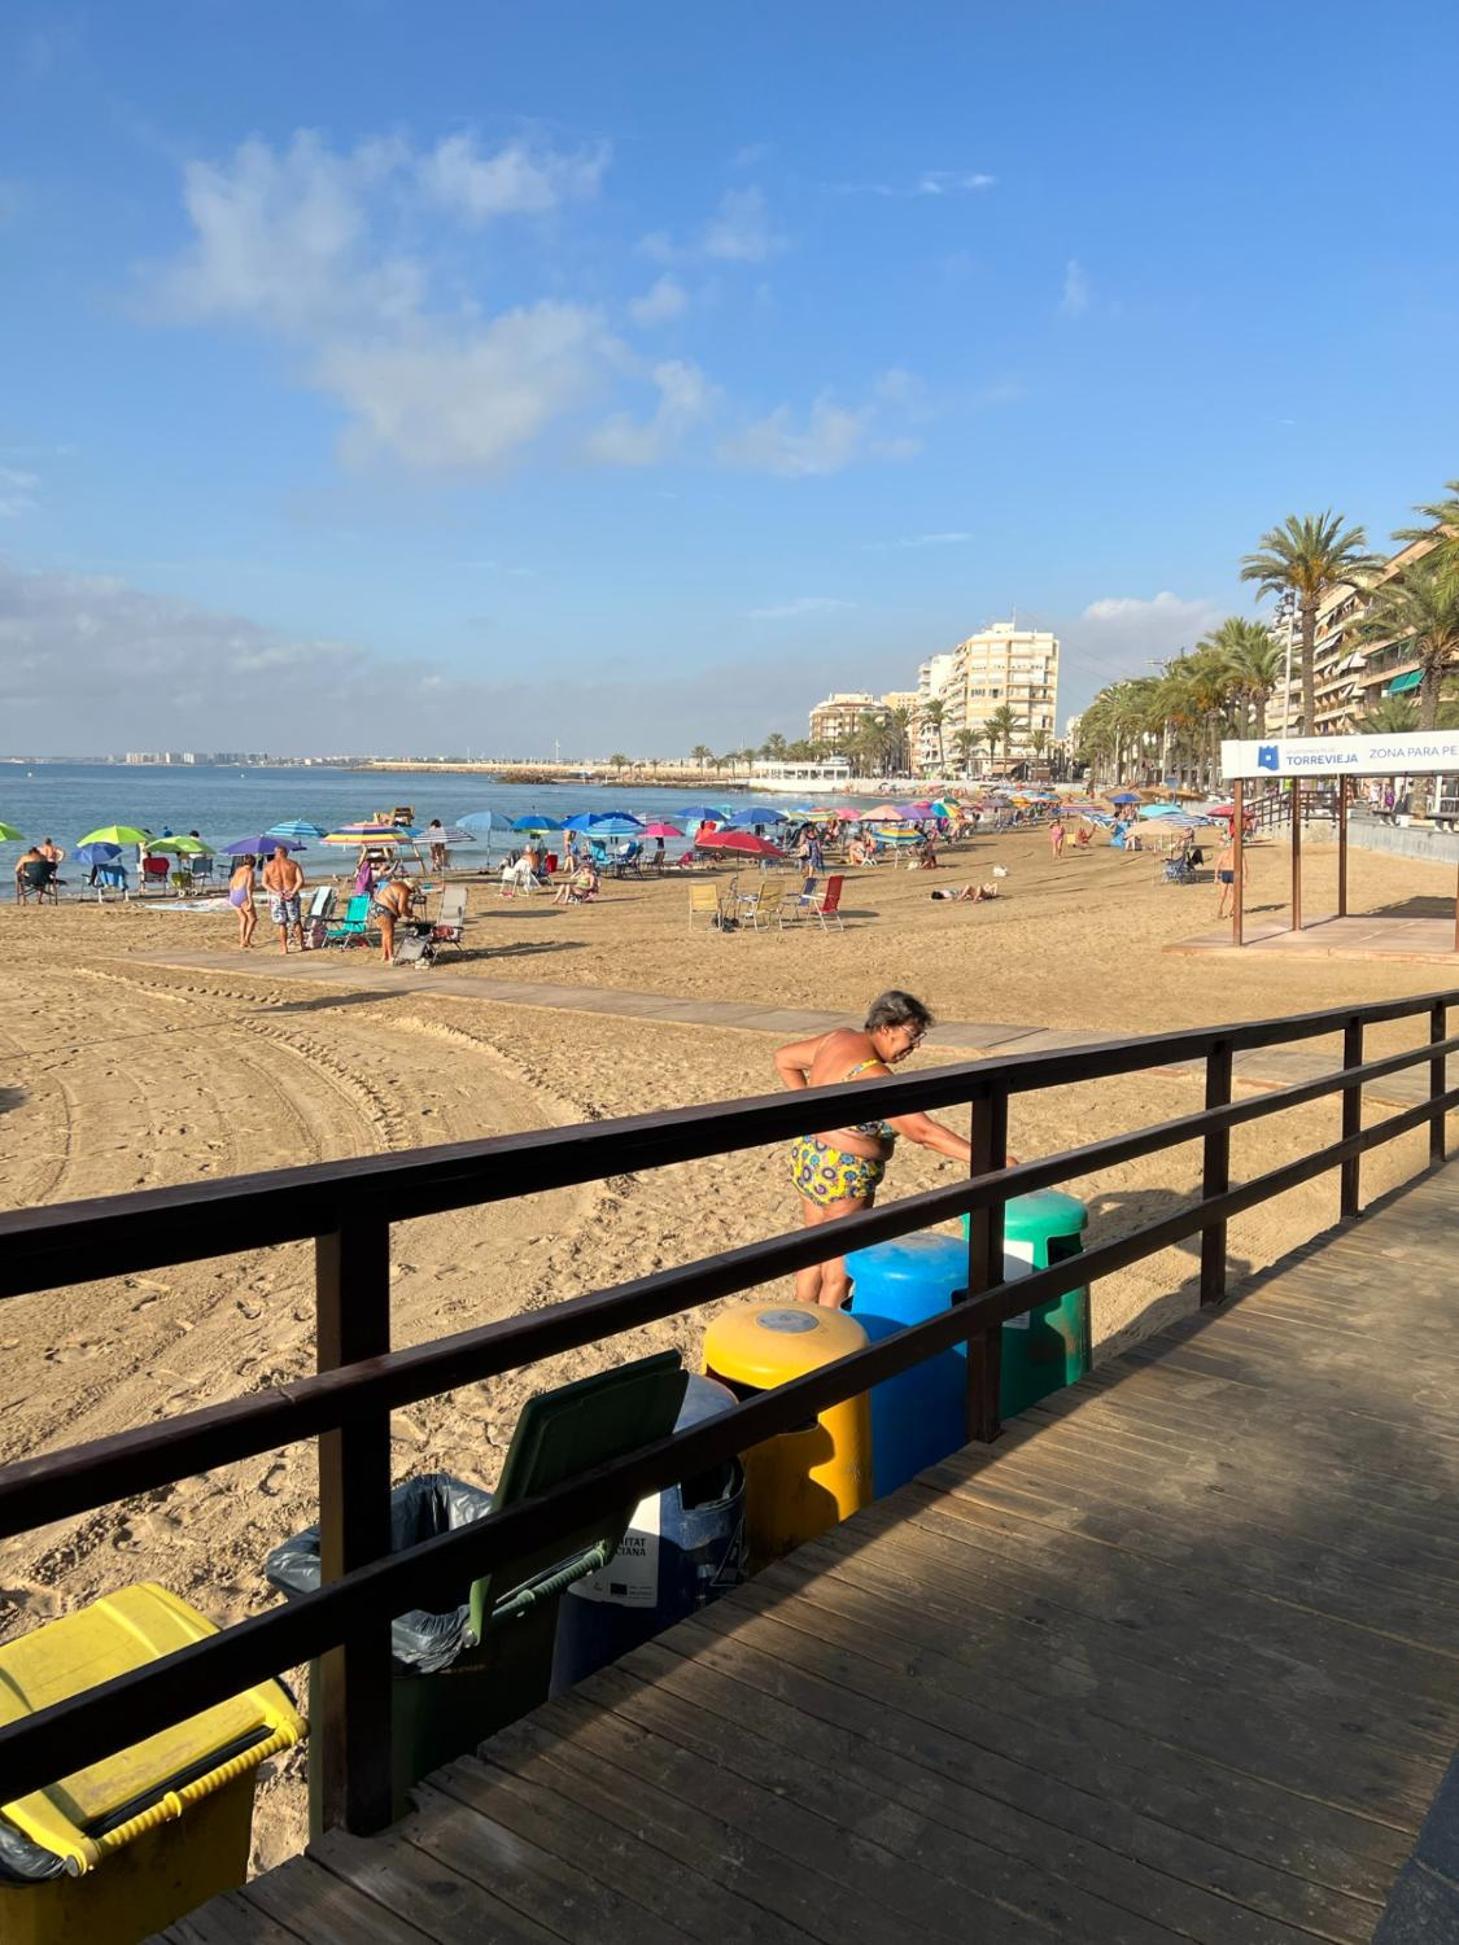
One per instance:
(683, 1548)
(920, 1416)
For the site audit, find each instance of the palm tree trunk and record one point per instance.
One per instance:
(1309, 687)
(1428, 718)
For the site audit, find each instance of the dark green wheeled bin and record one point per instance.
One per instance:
(461, 1674)
(1047, 1347)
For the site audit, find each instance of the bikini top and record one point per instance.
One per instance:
(873, 1130)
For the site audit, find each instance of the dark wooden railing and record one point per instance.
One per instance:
(347, 1208)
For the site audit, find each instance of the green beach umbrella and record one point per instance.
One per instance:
(9, 835)
(185, 847)
(116, 834)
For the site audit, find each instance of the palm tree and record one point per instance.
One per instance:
(899, 742)
(1310, 554)
(934, 715)
(1251, 657)
(1001, 727)
(1393, 716)
(1441, 521)
(774, 747)
(1038, 742)
(619, 761)
(1419, 609)
(702, 754)
(966, 742)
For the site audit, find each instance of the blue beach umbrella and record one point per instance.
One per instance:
(582, 820)
(699, 814)
(757, 814)
(264, 844)
(296, 827)
(1124, 797)
(478, 820)
(92, 855)
(614, 823)
(535, 820)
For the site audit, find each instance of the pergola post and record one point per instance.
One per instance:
(1296, 854)
(1238, 867)
(1342, 847)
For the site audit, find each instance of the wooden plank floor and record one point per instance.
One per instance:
(1176, 1659)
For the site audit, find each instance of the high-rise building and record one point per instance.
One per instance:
(1001, 666)
(933, 678)
(836, 720)
(1348, 680)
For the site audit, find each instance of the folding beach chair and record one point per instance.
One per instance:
(706, 901)
(37, 880)
(155, 873)
(317, 916)
(354, 926)
(765, 908)
(802, 901)
(450, 925)
(828, 907)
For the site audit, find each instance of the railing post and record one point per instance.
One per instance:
(349, 1708)
(1438, 1078)
(1349, 1174)
(1215, 1174)
(985, 1267)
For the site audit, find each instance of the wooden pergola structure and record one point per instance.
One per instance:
(1302, 761)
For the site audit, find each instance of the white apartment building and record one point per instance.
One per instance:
(1003, 665)
(930, 757)
(837, 719)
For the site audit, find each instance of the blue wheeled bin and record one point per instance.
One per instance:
(920, 1416)
(683, 1548)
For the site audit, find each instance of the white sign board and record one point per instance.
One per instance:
(631, 1577)
(1415, 753)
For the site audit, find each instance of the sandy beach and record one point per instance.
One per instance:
(123, 1073)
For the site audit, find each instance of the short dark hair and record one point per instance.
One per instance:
(894, 1008)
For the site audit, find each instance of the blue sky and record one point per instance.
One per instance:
(385, 376)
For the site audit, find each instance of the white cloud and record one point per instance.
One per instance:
(667, 300)
(685, 399)
(17, 492)
(1123, 634)
(750, 156)
(831, 436)
(288, 240)
(740, 231)
(468, 398)
(1076, 294)
(516, 181)
(948, 182)
(803, 604)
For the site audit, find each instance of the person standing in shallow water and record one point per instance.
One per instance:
(838, 1173)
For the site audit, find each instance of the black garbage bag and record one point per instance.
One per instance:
(420, 1509)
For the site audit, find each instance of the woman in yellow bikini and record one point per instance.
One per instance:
(838, 1173)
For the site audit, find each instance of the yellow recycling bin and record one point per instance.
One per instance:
(115, 1852)
(801, 1482)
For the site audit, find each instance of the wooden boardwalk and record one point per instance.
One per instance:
(1175, 1659)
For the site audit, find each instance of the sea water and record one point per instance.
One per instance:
(65, 801)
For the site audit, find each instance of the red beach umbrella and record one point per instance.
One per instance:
(744, 844)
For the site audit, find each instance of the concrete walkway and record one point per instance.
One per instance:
(1268, 1068)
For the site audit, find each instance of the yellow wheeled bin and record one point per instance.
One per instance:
(801, 1482)
(113, 1853)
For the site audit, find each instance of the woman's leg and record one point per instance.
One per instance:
(387, 939)
(808, 1280)
(835, 1283)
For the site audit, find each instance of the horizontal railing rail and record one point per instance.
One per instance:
(348, 1208)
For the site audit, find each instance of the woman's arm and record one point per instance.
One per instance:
(793, 1063)
(928, 1133)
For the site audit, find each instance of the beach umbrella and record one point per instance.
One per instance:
(296, 827)
(9, 835)
(1125, 797)
(535, 820)
(916, 810)
(751, 815)
(454, 834)
(116, 834)
(92, 855)
(699, 814)
(601, 817)
(262, 844)
(615, 823)
(185, 847)
(478, 820)
(744, 844)
(1160, 810)
(662, 830)
(884, 814)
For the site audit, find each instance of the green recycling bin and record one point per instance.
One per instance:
(1047, 1347)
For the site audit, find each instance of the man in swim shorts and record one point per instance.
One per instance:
(284, 883)
(1226, 877)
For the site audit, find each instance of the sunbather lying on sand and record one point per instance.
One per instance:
(968, 894)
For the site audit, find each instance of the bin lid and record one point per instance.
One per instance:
(764, 1344)
(1047, 1212)
(121, 1632)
